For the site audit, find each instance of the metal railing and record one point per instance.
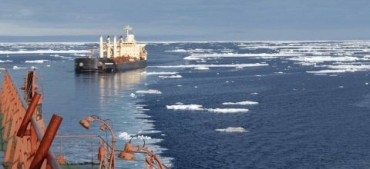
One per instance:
(78, 149)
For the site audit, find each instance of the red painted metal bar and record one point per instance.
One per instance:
(46, 142)
(27, 117)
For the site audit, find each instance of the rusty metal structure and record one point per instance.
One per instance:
(151, 159)
(24, 136)
(28, 144)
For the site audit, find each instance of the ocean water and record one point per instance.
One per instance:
(271, 104)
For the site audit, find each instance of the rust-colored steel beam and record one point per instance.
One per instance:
(27, 117)
(46, 142)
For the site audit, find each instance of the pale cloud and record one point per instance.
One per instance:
(199, 19)
(11, 29)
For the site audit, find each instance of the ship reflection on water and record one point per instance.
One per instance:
(115, 84)
(103, 92)
(112, 84)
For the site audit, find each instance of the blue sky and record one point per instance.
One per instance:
(190, 19)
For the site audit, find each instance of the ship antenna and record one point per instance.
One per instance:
(127, 29)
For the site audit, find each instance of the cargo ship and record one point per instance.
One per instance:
(122, 55)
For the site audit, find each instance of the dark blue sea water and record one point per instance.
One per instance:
(218, 104)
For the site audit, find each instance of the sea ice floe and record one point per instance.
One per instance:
(241, 103)
(171, 77)
(6, 61)
(239, 55)
(126, 136)
(160, 73)
(150, 91)
(342, 68)
(201, 68)
(197, 107)
(17, 68)
(133, 95)
(320, 59)
(197, 50)
(63, 57)
(232, 130)
(227, 110)
(185, 107)
(36, 61)
(326, 71)
(215, 65)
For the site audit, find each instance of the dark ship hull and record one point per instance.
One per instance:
(105, 65)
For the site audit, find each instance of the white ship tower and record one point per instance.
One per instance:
(124, 48)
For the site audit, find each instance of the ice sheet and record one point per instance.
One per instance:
(232, 130)
(241, 103)
(150, 91)
(215, 66)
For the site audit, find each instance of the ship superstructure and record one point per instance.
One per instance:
(121, 55)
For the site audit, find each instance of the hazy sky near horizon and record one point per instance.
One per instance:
(190, 19)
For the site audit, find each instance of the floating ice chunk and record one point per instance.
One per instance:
(197, 107)
(342, 68)
(124, 135)
(197, 50)
(232, 130)
(6, 61)
(171, 77)
(65, 57)
(239, 55)
(150, 91)
(241, 103)
(17, 68)
(185, 107)
(215, 66)
(142, 137)
(320, 59)
(36, 61)
(326, 71)
(133, 95)
(201, 68)
(228, 110)
(350, 67)
(177, 51)
(160, 73)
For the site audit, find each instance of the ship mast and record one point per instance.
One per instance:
(128, 30)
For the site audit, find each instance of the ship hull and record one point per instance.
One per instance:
(104, 65)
